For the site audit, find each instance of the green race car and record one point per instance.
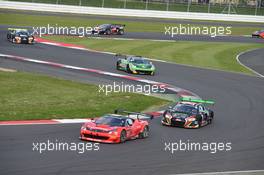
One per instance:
(135, 65)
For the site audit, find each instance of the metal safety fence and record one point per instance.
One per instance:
(241, 7)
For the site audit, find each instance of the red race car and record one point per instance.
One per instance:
(108, 29)
(116, 128)
(258, 34)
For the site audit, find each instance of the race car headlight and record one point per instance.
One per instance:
(112, 131)
(17, 37)
(88, 128)
(191, 119)
(134, 65)
(168, 116)
(83, 127)
(30, 38)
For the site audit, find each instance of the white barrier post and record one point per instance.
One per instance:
(124, 4)
(103, 4)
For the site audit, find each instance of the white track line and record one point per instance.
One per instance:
(237, 58)
(225, 172)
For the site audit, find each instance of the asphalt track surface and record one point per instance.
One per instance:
(238, 119)
(254, 60)
(160, 35)
(169, 37)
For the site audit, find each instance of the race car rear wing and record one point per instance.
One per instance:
(189, 99)
(137, 114)
(120, 25)
(119, 55)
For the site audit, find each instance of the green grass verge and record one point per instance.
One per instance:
(220, 55)
(131, 26)
(31, 96)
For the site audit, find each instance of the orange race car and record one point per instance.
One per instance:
(116, 128)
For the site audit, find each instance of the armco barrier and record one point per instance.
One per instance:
(127, 12)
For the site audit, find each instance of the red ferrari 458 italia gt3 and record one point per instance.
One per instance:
(116, 128)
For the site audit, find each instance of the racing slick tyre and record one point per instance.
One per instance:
(13, 40)
(107, 32)
(199, 119)
(117, 66)
(145, 133)
(121, 32)
(128, 69)
(211, 117)
(212, 114)
(123, 136)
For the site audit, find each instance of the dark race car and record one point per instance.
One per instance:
(258, 34)
(108, 29)
(19, 36)
(135, 65)
(116, 128)
(188, 113)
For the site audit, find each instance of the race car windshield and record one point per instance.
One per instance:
(22, 33)
(111, 121)
(185, 109)
(104, 25)
(140, 61)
